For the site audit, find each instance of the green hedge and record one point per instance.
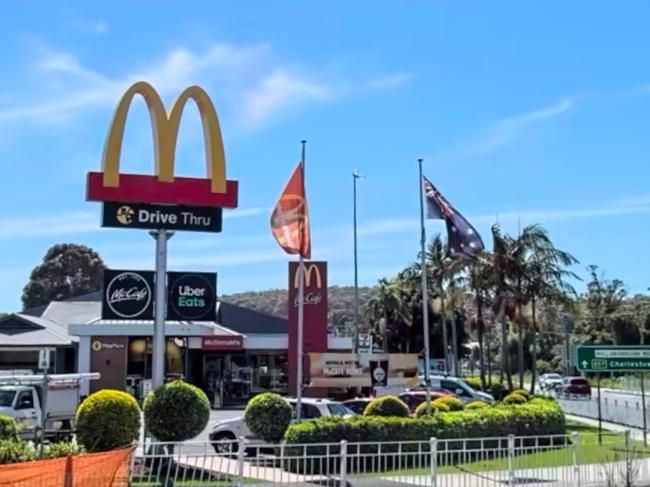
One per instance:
(453, 403)
(477, 405)
(537, 417)
(268, 415)
(436, 407)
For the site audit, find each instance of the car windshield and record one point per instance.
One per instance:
(7, 398)
(553, 376)
(579, 382)
(337, 409)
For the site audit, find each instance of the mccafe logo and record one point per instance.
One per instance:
(310, 299)
(127, 295)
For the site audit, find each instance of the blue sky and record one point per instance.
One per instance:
(523, 112)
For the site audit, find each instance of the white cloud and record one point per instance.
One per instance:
(253, 85)
(281, 90)
(390, 81)
(41, 226)
(85, 26)
(506, 130)
(68, 223)
(399, 225)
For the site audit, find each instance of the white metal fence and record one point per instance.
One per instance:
(623, 411)
(548, 460)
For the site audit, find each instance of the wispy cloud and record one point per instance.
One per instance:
(78, 222)
(390, 81)
(257, 87)
(399, 225)
(505, 131)
(87, 26)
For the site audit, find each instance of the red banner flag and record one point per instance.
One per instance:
(290, 218)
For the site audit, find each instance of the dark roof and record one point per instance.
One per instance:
(245, 320)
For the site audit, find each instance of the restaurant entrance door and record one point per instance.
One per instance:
(227, 378)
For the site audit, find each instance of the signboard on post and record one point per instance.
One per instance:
(44, 359)
(168, 217)
(127, 295)
(612, 358)
(360, 370)
(192, 296)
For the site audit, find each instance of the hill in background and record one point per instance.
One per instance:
(340, 304)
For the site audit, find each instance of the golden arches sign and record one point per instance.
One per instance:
(110, 185)
(308, 269)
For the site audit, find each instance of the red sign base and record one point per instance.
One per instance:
(142, 188)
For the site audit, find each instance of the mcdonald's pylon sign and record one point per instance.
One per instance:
(163, 186)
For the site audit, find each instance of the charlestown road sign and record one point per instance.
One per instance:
(612, 358)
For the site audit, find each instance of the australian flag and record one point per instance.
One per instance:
(462, 237)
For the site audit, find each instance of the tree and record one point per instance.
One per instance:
(67, 270)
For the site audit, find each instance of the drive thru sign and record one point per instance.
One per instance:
(612, 358)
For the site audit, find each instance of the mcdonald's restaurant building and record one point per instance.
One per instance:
(239, 354)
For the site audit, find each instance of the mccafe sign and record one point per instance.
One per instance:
(128, 295)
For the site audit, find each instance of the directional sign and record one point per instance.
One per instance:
(612, 358)
(170, 217)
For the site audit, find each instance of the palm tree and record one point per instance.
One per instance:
(544, 278)
(445, 278)
(382, 304)
(479, 284)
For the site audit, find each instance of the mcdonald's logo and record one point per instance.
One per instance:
(163, 186)
(308, 269)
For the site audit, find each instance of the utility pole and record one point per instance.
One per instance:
(355, 176)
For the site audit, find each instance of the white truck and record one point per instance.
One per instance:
(44, 406)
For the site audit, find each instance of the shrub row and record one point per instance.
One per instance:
(536, 417)
(16, 451)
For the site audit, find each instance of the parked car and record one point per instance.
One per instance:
(223, 434)
(550, 381)
(459, 388)
(574, 386)
(414, 398)
(358, 404)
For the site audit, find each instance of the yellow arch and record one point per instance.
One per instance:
(164, 129)
(214, 154)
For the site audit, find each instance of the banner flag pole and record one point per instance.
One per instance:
(301, 303)
(425, 295)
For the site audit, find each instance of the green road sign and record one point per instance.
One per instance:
(612, 358)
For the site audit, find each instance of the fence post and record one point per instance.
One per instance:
(343, 467)
(433, 452)
(511, 460)
(574, 451)
(241, 452)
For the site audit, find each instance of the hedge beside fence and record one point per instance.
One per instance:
(535, 418)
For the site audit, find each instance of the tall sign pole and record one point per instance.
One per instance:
(158, 352)
(301, 308)
(355, 176)
(425, 300)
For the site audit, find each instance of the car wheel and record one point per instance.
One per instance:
(224, 443)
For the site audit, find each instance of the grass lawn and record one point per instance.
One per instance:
(589, 451)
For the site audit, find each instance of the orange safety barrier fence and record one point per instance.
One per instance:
(106, 469)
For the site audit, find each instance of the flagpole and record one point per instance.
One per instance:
(301, 303)
(425, 295)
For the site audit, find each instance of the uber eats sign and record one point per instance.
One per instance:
(128, 295)
(191, 296)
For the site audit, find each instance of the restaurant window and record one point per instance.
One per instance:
(269, 372)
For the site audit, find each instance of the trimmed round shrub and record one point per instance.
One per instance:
(477, 405)
(176, 411)
(453, 403)
(514, 398)
(473, 382)
(522, 392)
(268, 416)
(436, 407)
(108, 419)
(8, 428)
(387, 406)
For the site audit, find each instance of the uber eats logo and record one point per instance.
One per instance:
(191, 296)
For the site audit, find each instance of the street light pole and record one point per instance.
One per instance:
(355, 176)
